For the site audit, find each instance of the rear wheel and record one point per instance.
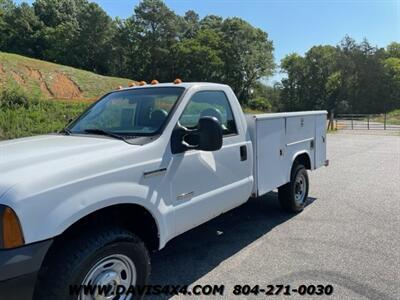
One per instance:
(293, 195)
(111, 257)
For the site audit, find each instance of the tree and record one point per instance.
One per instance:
(211, 22)
(61, 26)
(21, 27)
(55, 12)
(125, 49)
(55, 43)
(247, 56)
(199, 58)
(393, 50)
(293, 88)
(349, 78)
(392, 72)
(312, 82)
(157, 29)
(320, 78)
(362, 76)
(92, 46)
(6, 8)
(264, 97)
(76, 33)
(190, 24)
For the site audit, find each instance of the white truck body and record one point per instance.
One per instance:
(53, 181)
(279, 138)
(87, 191)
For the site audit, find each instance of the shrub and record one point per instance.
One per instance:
(14, 98)
(21, 115)
(260, 104)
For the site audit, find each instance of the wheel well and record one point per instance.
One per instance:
(303, 159)
(129, 216)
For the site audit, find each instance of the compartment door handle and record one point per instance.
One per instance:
(243, 153)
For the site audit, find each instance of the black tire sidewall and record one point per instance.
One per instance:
(296, 206)
(71, 260)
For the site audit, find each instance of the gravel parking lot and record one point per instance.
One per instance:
(348, 236)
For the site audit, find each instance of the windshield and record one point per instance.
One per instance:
(135, 112)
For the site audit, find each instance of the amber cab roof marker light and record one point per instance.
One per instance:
(132, 84)
(153, 82)
(142, 83)
(177, 81)
(120, 87)
(12, 232)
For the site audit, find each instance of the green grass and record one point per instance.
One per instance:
(39, 117)
(36, 76)
(392, 118)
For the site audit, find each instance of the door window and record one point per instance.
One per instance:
(209, 103)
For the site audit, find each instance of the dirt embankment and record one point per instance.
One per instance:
(37, 76)
(2, 72)
(56, 85)
(64, 87)
(2, 75)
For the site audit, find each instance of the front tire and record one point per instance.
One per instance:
(110, 256)
(293, 195)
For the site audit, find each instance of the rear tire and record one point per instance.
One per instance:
(105, 256)
(293, 195)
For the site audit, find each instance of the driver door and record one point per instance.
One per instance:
(206, 184)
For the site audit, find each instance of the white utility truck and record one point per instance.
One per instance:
(137, 168)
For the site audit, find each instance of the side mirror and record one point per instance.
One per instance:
(210, 134)
(207, 136)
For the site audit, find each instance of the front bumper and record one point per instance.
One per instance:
(19, 268)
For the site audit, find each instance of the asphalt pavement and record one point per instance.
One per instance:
(348, 236)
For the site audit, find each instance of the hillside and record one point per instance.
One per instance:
(52, 81)
(29, 86)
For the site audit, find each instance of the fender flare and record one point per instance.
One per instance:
(295, 156)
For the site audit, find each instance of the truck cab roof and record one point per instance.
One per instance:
(185, 85)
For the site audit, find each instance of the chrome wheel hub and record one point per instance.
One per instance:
(112, 272)
(300, 189)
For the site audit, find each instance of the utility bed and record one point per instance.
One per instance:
(278, 138)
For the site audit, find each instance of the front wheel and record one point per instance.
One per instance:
(107, 257)
(293, 195)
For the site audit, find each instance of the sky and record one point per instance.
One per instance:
(294, 26)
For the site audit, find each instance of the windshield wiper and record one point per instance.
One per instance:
(106, 133)
(66, 131)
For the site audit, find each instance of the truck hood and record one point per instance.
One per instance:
(27, 158)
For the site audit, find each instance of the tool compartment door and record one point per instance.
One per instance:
(320, 140)
(270, 137)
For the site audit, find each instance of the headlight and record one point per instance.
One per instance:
(10, 229)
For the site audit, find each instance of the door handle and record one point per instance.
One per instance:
(185, 196)
(243, 153)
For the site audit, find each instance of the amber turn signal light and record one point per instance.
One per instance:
(12, 233)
